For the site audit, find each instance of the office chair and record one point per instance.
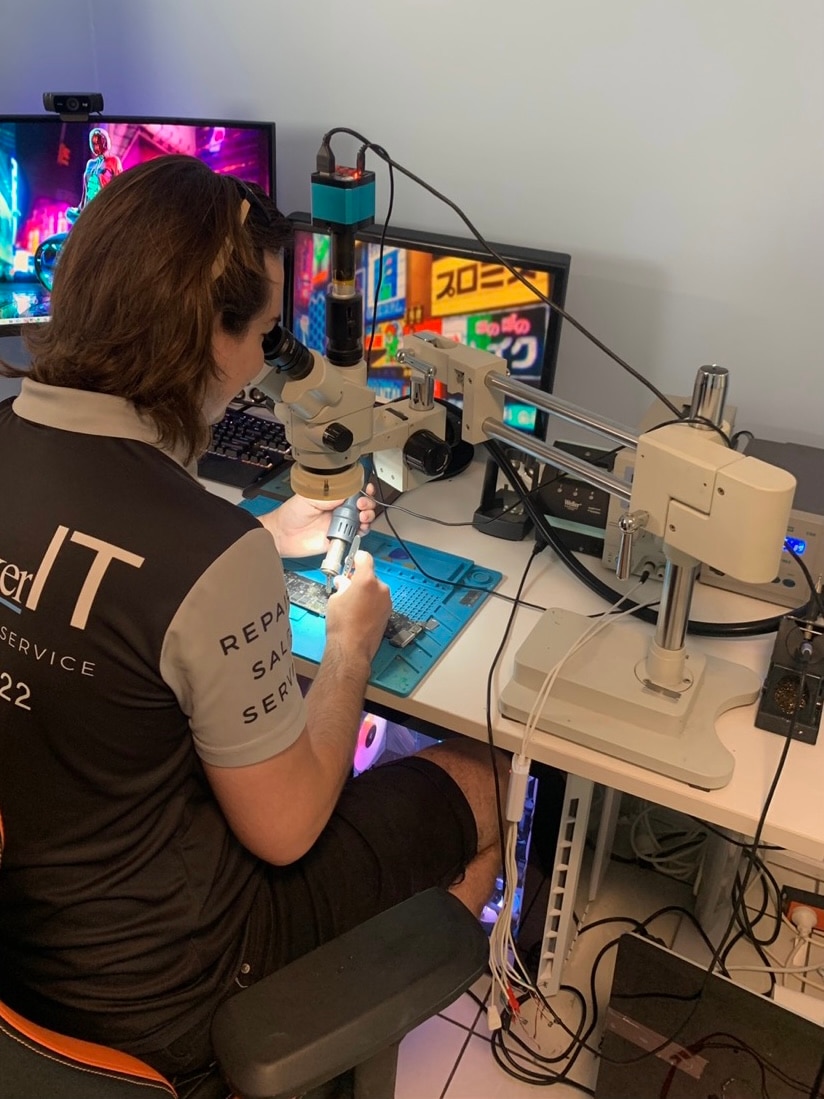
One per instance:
(327, 1026)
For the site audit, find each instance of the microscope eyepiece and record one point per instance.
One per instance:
(285, 353)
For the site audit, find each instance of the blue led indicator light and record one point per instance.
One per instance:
(797, 545)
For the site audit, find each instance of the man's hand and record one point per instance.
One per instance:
(357, 613)
(299, 526)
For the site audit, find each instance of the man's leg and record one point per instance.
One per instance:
(469, 764)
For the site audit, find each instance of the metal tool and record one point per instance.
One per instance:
(343, 529)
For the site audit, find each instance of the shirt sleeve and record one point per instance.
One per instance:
(227, 656)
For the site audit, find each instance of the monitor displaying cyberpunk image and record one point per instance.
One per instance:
(434, 283)
(50, 170)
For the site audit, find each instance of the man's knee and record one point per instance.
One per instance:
(474, 767)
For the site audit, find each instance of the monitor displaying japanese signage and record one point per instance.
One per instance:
(442, 284)
(51, 169)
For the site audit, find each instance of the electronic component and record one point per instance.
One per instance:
(312, 596)
(576, 509)
(73, 106)
(779, 694)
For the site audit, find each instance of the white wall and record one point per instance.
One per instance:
(673, 147)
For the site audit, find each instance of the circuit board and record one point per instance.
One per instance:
(312, 596)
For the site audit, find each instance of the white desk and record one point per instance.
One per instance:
(453, 694)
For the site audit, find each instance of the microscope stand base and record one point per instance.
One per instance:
(600, 700)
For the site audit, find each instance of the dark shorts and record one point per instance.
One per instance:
(397, 829)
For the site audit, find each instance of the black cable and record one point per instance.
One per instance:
(382, 153)
(734, 1042)
(379, 279)
(702, 421)
(738, 435)
(788, 738)
(738, 843)
(447, 580)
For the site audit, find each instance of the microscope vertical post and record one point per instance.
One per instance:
(667, 652)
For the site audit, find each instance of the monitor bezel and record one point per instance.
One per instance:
(17, 329)
(557, 263)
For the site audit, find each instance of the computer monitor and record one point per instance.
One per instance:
(50, 168)
(445, 284)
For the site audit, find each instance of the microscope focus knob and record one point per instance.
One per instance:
(424, 451)
(338, 437)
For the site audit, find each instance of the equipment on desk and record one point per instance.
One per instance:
(796, 665)
(647, 549)
(651, 702)
(805, 527)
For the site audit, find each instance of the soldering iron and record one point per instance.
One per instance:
(343, 529)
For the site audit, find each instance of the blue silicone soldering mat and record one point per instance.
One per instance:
(447, 604)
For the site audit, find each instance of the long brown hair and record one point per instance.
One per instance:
(161, 253)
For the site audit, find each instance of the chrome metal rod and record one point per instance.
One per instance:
(674, 611)
(547, 402)
(544, 452)
(708, 397)
(709, 394)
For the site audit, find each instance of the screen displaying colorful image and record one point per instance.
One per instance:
(50, 170)
(437, 284)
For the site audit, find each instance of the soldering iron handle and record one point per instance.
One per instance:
(345, 520)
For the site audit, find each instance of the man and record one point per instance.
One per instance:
(178, 819)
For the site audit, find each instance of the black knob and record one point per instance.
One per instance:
(424, 451)
(338, 437)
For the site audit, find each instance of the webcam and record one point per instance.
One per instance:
(73, 104)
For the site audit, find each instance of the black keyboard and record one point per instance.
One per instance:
(247, 446)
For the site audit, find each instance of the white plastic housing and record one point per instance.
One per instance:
(713, 503)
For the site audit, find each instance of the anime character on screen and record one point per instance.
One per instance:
(101, 168)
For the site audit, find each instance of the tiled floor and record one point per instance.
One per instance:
(450, 1056)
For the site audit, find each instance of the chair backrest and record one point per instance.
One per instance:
(37, 1062)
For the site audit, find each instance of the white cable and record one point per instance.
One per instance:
(817, 966)
(501, 940)
(681, 861)
(598, 624)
